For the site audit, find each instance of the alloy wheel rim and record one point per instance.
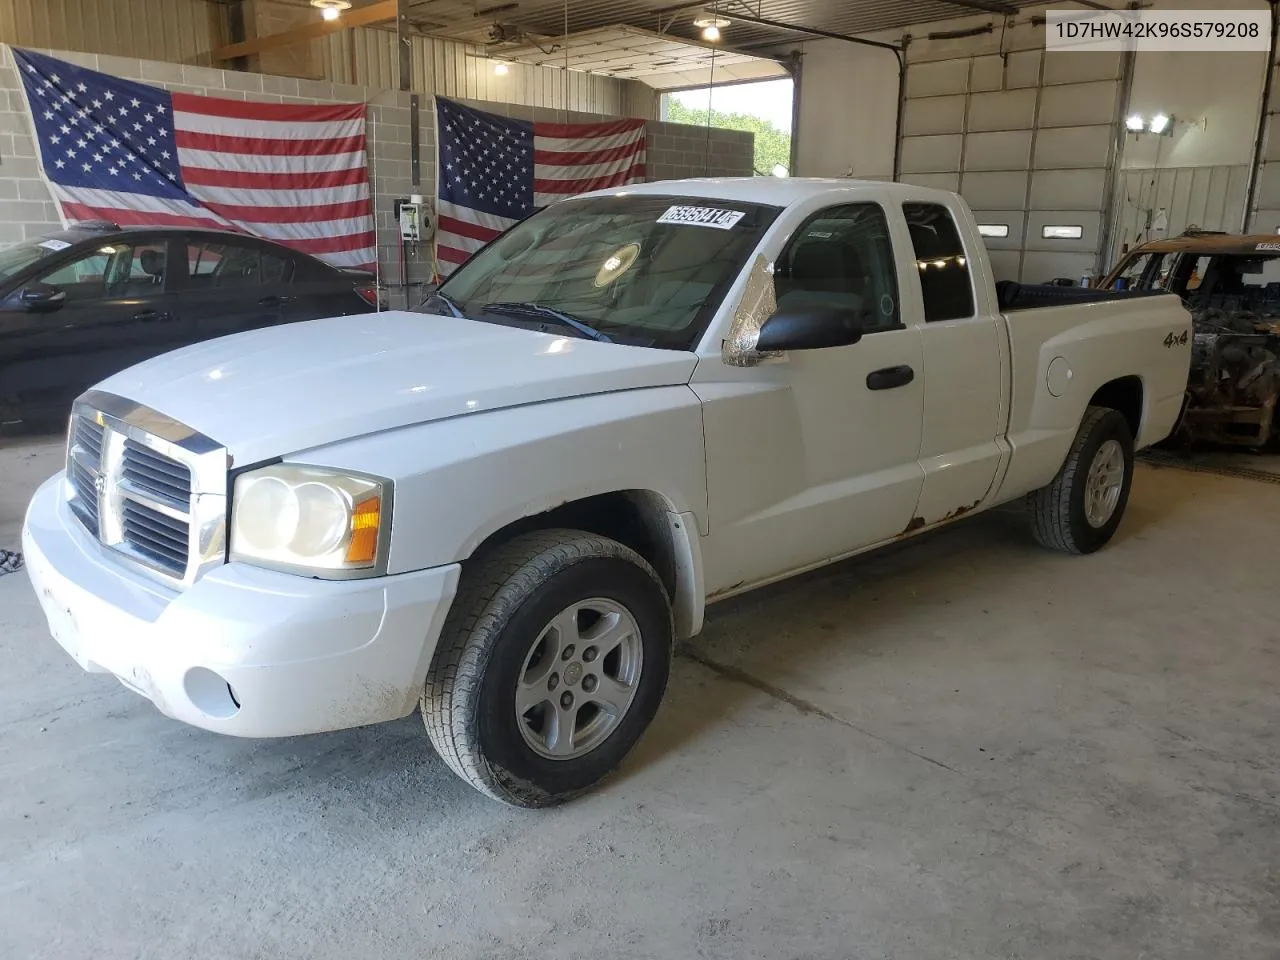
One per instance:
(1103, 484)
(579, 679)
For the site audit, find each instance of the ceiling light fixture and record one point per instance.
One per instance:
(711, 24)
(1161, 124)
(331, 9)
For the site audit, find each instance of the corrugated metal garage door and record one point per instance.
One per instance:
(1211, 198)
(1027, 139)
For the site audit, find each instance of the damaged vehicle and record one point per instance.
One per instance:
(1231, 286)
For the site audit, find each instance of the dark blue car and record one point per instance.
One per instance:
(79, 305)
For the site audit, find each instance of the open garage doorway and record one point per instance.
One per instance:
(762, 107)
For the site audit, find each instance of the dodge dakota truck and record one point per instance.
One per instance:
(503, 509)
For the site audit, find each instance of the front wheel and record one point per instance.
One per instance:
(1079, 511)
(552, 662)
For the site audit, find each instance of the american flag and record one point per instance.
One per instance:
(135, 154)
(494, 171)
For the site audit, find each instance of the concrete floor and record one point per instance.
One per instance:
(968, 748)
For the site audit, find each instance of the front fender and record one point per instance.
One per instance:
(458, 481)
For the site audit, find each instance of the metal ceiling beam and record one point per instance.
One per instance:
(815, 32)
(365, 16)
(985, 6)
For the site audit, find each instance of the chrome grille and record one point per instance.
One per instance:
(156, 494)
(155, 474)
(88, 436)
(84, 463)
(84, 483)
(161, 539)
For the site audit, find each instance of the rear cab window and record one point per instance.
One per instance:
(941, 263)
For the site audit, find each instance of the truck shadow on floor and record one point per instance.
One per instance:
(940, 588)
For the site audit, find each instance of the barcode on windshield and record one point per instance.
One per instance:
(1101, 31)
(702, 217)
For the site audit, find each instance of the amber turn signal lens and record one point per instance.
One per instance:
(365, 520)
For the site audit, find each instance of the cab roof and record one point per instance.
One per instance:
(1209, 243)
(776, 191)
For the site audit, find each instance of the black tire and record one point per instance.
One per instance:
(505, 601)
(1058, 516)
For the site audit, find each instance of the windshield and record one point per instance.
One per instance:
(1233, 282)
(20, 256)
(640, 269)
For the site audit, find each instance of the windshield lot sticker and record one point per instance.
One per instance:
(1268, 246)
(54, 245)
(702, 217)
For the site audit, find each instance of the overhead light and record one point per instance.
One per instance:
(1160, 124)
(331, 9)
(501, 69)
(711, 24)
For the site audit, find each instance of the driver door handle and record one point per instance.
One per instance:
(890, 377)
(146, 316)
(273, 300)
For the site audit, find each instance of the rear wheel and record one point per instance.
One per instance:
(1080, 510)
(552, 663)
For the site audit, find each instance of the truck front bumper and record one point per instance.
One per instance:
(244, 651)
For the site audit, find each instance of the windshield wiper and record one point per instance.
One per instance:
(549, 313)
(447, 300)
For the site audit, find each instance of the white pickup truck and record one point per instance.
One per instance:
(506, 507)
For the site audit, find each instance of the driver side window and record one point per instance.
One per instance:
(842, 257)
(113, 270)
(81, 279)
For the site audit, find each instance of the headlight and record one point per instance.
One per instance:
(310, 520)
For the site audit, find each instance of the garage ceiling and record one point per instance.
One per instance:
(470, 19)
(474, 21)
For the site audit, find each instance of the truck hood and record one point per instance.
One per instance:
(271, 392)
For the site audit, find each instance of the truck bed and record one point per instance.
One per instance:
(1011, 295)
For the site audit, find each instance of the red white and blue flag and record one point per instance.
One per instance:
(135, 154)
(495, 171)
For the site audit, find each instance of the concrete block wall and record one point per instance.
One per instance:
(677, 150)
(26, 208)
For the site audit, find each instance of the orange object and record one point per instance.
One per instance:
(365, 523)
